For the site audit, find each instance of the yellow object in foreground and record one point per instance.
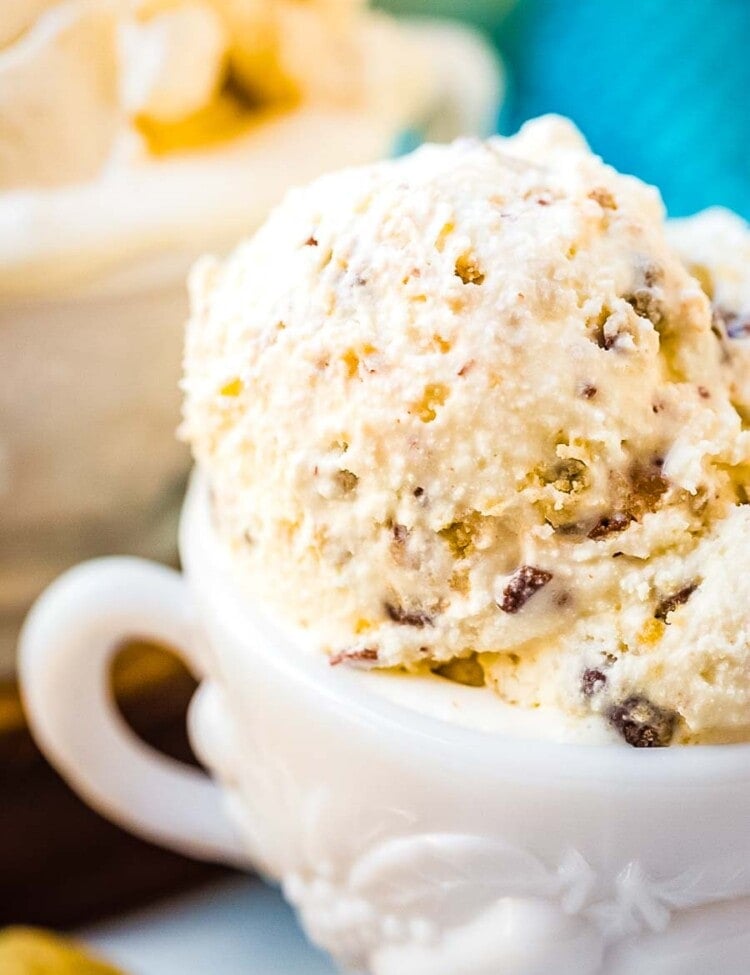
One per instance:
(24, 951)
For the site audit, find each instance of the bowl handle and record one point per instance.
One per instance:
(65, 651)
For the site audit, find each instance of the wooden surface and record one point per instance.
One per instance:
(61, 865)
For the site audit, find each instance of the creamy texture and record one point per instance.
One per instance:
(479, 708)
(469, 405)
(715, 246)
(210, 562)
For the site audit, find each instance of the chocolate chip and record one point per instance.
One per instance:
(366, 655)
(604, 339)
(635, 496)
(524, 582)
(592, 681)
(641, 723)
(610, 525)
(418, 492)
(670, 603)
(406, 617)
(588, 391)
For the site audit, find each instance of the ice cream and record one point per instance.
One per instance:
(56, 131)
(466, 412)
(170, 74)
(204, 111)
(715, 246)
(135, 135)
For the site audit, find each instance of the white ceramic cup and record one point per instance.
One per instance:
(409, 845)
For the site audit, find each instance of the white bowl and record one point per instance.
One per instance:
(408, 844)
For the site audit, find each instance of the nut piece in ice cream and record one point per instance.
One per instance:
(469, 405)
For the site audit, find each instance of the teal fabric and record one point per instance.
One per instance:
(660, 88)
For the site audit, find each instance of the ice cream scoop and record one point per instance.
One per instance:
(466, 411)
(715, 246)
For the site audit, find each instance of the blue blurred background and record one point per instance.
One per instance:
(660, 88)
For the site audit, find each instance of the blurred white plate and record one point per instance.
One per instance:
(237, 928)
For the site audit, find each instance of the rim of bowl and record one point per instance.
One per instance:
(207, 565)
